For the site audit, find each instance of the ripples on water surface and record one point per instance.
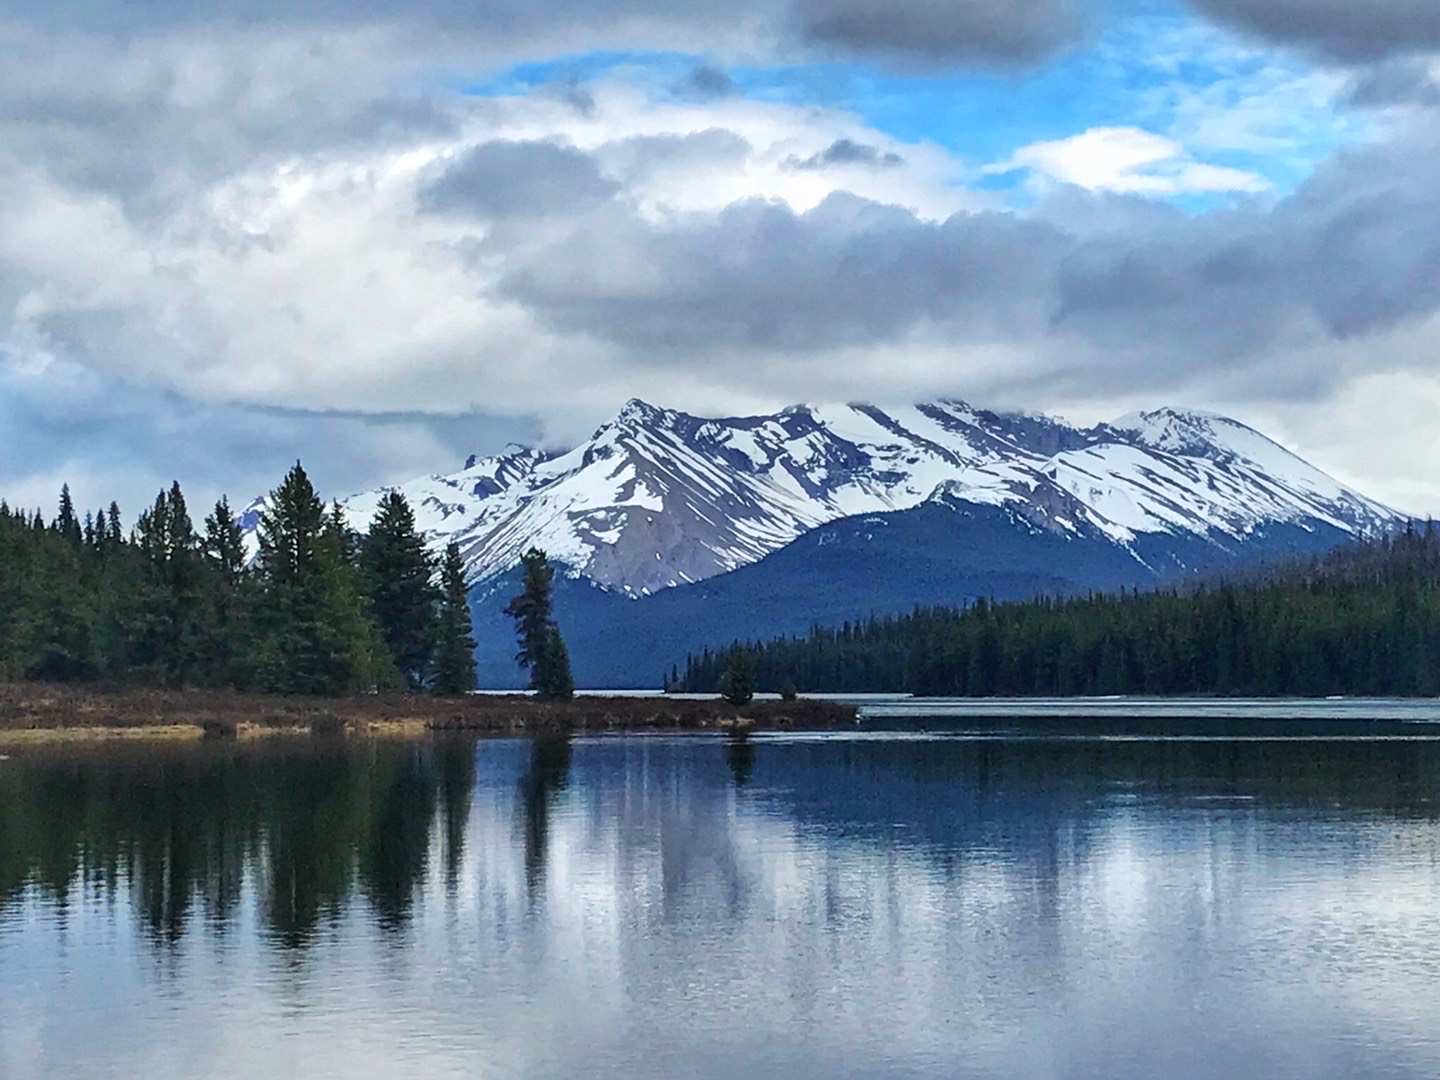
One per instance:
(876, 906)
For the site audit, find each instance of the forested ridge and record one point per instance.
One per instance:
(321, 609)
(1362, 620)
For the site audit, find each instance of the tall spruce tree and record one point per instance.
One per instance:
(531, 610)
(349, 612)
(454, 656)
(315, 635)
(67, 525)
(553, 678)
(347, 540)
(165, 624)
(225, 544)
(541, 649)
(398, 573)
(225, 638)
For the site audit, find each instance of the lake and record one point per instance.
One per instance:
(965, 898)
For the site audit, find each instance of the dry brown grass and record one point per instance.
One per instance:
(34, 711)
(168, 732)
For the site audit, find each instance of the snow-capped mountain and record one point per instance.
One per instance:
(659, 498)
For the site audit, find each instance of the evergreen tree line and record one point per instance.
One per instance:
(321, 609)
(1363, 620)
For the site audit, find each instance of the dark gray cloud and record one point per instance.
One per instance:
(150, 122)
(1106, 297)
(1348, 30)
(1398, 81)
(707, 81)
(518, 179)
(908, 32)
(936, 32)
(758, 276)
(847, 152)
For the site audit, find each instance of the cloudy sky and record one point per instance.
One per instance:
(380, 237)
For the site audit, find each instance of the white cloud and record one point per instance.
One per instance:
(313, 282)
(1128, 161)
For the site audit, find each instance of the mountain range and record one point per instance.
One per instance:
(676, 532)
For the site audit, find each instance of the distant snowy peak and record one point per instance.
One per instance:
(1282, 478)
(657, 497)
(1193, 433)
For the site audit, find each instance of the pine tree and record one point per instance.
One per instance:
(346, 540)
(398, 573)
(552, 677)
(362, 660)
(165, 624)
(97, 537)
(738, 683)
(541, 648)
(225, 544)
(531, 610)
(316, 636)
(67, 525)
(454, 657)
(226, 644)
(290, 532)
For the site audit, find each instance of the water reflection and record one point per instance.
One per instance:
(720, 907)
(544, 780)
(740, 754)
(309, 825)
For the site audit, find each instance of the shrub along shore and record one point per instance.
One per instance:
(40, 711)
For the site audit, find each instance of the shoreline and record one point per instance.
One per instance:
(34, 713)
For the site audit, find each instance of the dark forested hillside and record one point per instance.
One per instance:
(1364, 619)
(943, 553)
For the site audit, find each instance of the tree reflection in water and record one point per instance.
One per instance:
(740, 756)
(308, 827)
(544, 779)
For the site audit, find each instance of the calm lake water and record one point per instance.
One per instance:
(1014, 903)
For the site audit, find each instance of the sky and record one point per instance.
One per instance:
(379, 238)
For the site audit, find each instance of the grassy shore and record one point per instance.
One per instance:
(31, 711)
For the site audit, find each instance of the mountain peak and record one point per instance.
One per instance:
(1200, 433)
(639, 411)
(510, 452)
(1171, 417)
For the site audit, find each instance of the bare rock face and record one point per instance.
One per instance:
(658, 498)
